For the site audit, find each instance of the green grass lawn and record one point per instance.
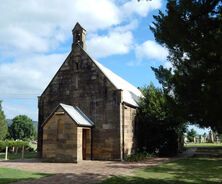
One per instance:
(13, 175)
(184, 171)
(195, 170)
(13, 156)
(203, 145)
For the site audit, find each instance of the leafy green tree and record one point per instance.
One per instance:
(22, 128)
(3, 124)
(159, 127)
(191, 134)
(192, 32)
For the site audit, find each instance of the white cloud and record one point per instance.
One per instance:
(38, 26)
(28, 75)
(97, 14)
(141, 8)
(152, 51)
(14, 108)
(118, 40)
(128, 27)
(114, 43)
(33, 30)
(25, 40)
(25, 79)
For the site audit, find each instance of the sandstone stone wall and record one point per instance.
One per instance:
(79, 143)
(60, 139)
(79, 82)
(129, 114)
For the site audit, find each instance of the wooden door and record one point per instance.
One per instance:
(84, 144)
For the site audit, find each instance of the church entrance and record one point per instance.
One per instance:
(86, 144)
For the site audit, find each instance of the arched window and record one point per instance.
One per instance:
(77, 36)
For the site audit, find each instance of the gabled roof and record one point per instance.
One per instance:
(131, 94)
(75, 114)
(78, 26)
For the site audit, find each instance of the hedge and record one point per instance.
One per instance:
(11, 143)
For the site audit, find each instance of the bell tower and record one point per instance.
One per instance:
(79, 36)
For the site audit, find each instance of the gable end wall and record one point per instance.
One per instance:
(79, 82)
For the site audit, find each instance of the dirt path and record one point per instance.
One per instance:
(83, 172)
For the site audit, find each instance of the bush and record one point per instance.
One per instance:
(140, 156)
(159, 128)
(11, 144)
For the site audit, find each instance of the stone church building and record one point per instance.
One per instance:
(86, 111)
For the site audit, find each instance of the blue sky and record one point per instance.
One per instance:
(35, 37)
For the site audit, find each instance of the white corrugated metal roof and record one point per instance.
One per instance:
(131, 94)
(77, 115)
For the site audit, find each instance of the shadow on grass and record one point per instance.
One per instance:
(8, 180)
(18, 156)
(184, 171)
(139, 180)
(199, 170)
(61, 178)
(212, 152)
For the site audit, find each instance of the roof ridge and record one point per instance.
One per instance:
(124, 80)
(98, 63)
(134, 93)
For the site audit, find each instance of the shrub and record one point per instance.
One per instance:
(140, 156)
(11, 144)
(159, 128)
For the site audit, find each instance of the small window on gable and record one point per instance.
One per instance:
(60, 130)
(76, 82)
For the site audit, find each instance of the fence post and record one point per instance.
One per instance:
(6, 153)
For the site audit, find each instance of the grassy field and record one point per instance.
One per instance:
(12, 175)
(184, 171)
(204, 168)
(203, 145)
(13, 156)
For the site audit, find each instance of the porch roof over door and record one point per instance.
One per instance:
(77, 115)
(74, 113)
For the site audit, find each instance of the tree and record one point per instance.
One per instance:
(3, 124)
(191, 134)
(22, 128)
(159, 128)
(192, 32)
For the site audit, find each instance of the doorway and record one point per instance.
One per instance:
(84, 140)
(86, 144)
